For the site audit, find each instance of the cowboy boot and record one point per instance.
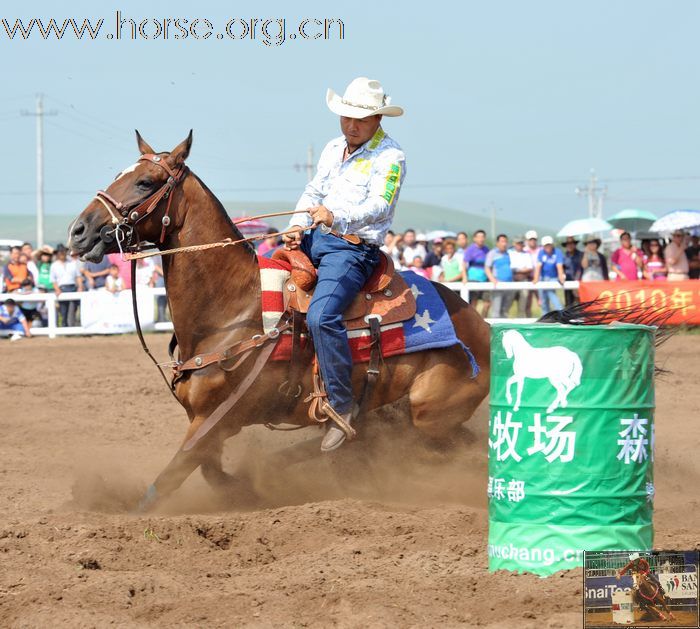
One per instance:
(335, 437)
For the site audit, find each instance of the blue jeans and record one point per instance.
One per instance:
(549, 300)
(343, 269)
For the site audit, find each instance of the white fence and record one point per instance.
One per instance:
(52, 329)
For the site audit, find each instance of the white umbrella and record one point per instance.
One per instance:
(678, 219)
(583, 226)
(440, 233)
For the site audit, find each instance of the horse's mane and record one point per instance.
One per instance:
(222, 210)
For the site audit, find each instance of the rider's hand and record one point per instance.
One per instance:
(293, 239)
(321, 215)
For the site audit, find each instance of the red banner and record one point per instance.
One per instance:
(681, 299)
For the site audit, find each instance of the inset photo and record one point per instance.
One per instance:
(640, 588)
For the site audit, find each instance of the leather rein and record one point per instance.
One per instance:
(125, 218)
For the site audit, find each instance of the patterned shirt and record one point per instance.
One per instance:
(361, 191)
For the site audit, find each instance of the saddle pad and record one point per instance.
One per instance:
(430, 328)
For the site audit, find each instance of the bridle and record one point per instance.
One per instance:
(123, 227)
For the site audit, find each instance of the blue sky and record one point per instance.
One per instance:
(495, 93)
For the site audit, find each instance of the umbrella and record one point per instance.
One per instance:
(440, 233)
(583, 226)
(252, 227)
(632, 220)
(678, 219)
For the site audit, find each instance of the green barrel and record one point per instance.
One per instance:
(571, 443)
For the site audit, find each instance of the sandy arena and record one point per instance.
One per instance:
(87, 423)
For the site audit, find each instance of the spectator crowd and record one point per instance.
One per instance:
(49, 270)
(460, 259)
(529, 258)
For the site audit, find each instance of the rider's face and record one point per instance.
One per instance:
(357, 131)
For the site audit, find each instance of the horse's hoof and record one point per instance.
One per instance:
(148, 501)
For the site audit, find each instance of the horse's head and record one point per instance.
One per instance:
(136, 199)
(510, 337)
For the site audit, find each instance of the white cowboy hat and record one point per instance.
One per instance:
(634, 556)
(363, 97)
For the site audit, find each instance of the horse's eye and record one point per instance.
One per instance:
(144, 183)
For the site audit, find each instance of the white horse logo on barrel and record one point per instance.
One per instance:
(559, 365)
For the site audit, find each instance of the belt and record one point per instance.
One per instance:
(353, 239)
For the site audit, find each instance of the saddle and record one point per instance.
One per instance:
(385, 296)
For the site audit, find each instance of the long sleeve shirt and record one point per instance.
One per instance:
(361, 191)
(638, 565)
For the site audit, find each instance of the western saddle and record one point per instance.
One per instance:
(385, 297)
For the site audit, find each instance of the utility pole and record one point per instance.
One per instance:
(594, 194)
(309, 165)
(493, 211)
(39, 113)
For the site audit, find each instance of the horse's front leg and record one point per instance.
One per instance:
(657, 611)
(518, 392)
(667, 609)
(176, 472)
(509, 384)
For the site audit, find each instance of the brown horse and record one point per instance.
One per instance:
(648, 596)
(215, 301)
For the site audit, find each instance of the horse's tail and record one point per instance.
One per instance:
(594, 313)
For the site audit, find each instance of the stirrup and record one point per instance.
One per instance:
(350, 432)
(321, 411)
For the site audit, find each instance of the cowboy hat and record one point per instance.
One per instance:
(362, 98)
(44, 249)
(589, 239)
(568, 240)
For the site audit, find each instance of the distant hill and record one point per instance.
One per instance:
(419, 216)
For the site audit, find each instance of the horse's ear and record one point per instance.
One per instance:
(180, 153)
(144, 147)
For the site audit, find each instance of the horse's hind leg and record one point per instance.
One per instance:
(238, 488)
(443, 395)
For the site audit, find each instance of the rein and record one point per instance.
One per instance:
(124, 230)
(226, 242)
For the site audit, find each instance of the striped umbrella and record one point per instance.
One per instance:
(678, 219)
(251, 227)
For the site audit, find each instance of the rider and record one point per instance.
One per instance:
(638, 564)
(353, 193)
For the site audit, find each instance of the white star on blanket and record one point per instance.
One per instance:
(423, 321)
(416, 291)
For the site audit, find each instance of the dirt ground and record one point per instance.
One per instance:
(87, 423)
(681, 619)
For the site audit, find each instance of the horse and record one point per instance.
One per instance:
(214, 297)
(648, 595)
(559, 365)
